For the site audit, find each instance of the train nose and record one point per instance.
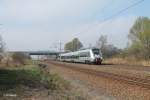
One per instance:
(98, 60)
(98, 57)
(101, 58)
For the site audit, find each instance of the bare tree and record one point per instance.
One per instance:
(2, 48)
(108, 50)
(102, 42)
(2, 45)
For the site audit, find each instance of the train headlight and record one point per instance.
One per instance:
(101, 58)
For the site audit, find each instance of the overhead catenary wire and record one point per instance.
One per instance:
(106, 6)
(123, 10)
(114, 15)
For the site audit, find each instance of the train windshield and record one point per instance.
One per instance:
(96, 51)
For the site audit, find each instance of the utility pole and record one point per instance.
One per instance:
(60, 45)
(73, 49)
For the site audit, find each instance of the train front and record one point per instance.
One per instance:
(97, 56)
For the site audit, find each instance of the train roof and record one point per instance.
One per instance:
(80, 50)
(88, 48)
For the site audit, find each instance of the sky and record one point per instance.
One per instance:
(43, 24)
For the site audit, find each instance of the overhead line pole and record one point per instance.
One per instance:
(60, 45)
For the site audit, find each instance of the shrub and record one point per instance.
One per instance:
(19, 57)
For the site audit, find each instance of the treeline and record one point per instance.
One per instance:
(138, 46)
(139, 36)
(73, 45)
(108, 50)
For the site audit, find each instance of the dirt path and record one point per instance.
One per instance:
(80, 85)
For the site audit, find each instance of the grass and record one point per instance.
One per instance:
(15, 77)
(127, 61)
(32, 77)
(22, 81)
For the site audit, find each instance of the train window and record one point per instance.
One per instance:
(75, 56)
(96, 51)
(85, 54)
(62, 57)
(82, 54)
(88, 54)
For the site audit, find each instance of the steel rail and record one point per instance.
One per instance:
(145, 83)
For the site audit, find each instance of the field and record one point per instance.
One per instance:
(127, 61)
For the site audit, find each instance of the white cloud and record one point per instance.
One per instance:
(43, 10)
(117, 31)
(37, 24)
(42, 38)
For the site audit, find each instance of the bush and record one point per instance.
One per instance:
(32, 77)
(54, 82)
(19, 57)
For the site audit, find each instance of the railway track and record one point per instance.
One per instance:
(130, 80)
